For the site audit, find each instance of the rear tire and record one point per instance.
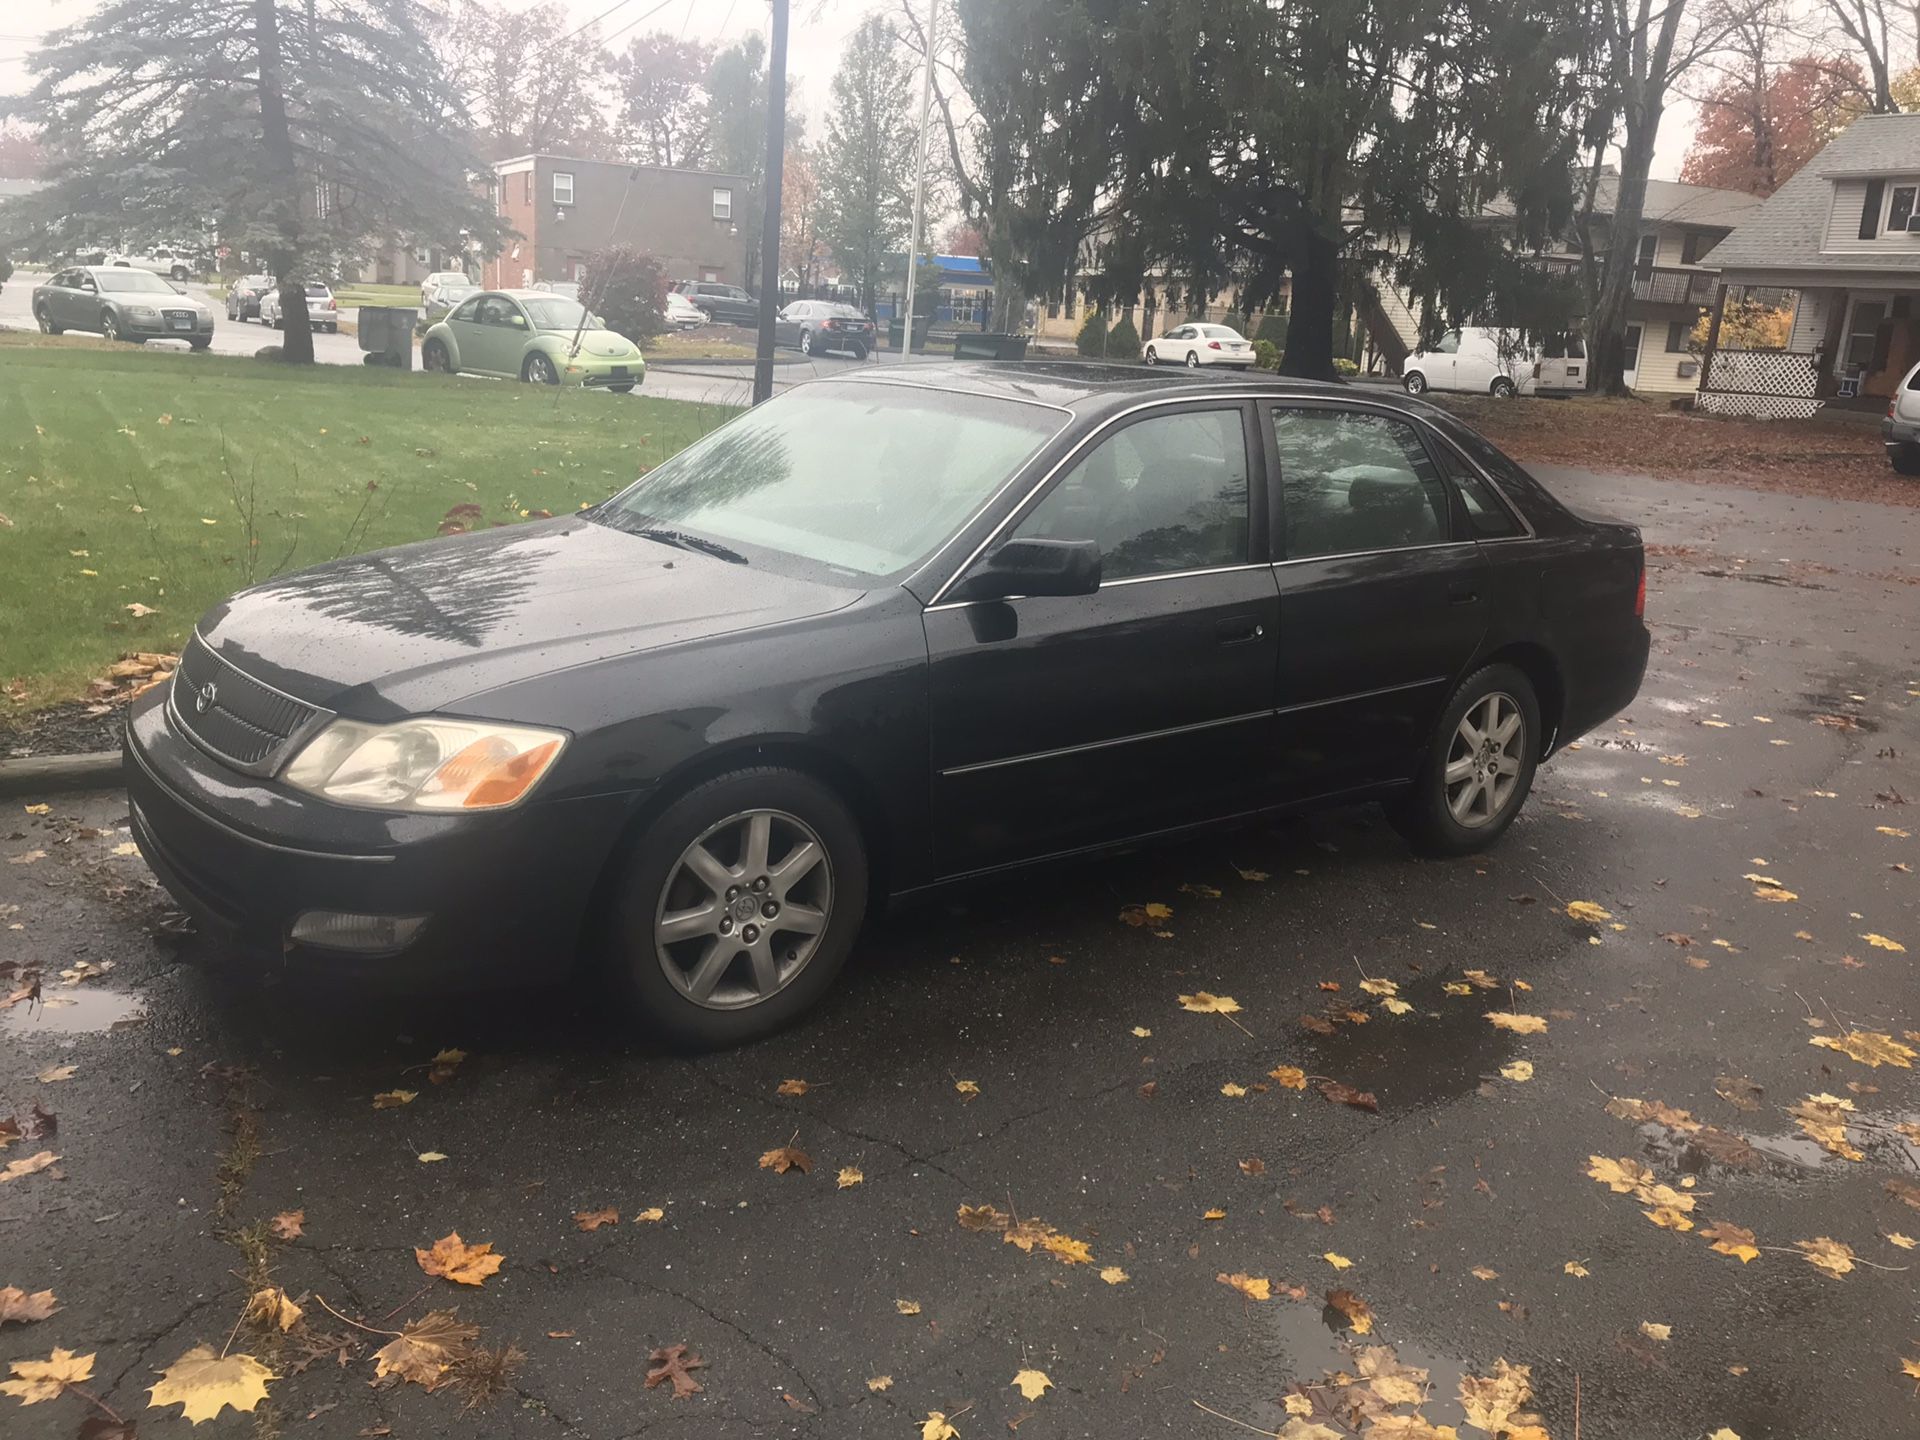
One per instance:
(622, 389)
(1905, 460)
(659, 877)
(1490, 778)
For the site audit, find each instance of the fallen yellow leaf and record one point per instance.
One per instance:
(1869, 1047)
(1656, 1332)
(453, 1259)
(1519, 1070)
(1828, 1254)
(388, 1099)
(1031, 1384)
(1254, 1287)
(1587, 911)
(1290, 1077)
(203, 1384)
(1881, 942)
(1202, 1003)
(37, 1380)
(1233, 1091)
(1114, 1275)
(1575, 1268)
(849, 1177)
(1338, 1262)
(1517, 1023)
(1731, 1239)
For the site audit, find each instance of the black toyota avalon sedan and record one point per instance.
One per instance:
(879, 635)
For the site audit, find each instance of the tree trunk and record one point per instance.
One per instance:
(1606, 368)
(1316, 289)
(283, 179)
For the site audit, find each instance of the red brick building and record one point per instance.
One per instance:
(560, 210)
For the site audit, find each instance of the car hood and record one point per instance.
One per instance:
(423, 627)
(602, 343)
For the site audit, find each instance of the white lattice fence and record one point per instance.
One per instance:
(1766, 384)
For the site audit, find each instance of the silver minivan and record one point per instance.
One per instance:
(1901, 429)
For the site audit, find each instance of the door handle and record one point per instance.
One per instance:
(1463, 597)
(1238, 630)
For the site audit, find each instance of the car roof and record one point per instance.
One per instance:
(1093, 386)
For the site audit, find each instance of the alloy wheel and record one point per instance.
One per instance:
(1416, 382)
(744, 909)
(1483, 761)
(109, 328)
(1193, 359)
(46, 321)
(806, 342)
(541, 372)
(1152, 358)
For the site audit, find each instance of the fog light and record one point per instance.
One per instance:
(369, 934)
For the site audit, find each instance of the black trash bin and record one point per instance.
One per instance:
(386, 334)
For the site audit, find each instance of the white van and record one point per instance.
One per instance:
(1560, 364)
(1477, 359)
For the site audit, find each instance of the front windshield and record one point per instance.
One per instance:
(555, 312)
(144, 280)
(868, 479)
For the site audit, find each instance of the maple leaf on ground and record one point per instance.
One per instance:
(785, 1158)
(1342, 1094)
(935, 1427)
(1114, 1275)
(1731, 1239)
(1656, 1332)
(1358, 1313)
(1393, 1382)
(1825, 1253)
(1823, 1117)
(426, 1349)
(1338, 1262)
(1576, 1269)
(1519, 1024)
(1490, 1401)
(20, 1308)
(1254, 1287)
(203, 1384)
(675, 1364)
(1881, 942)
(849, 1177)
(1587, 912)
(389, 1099)
(1143, 916)
(1380, 987)
(1289, 1077)
(289, 1224)
(1668, 1217)
(879, 1383)
(1622, 1176)
(1233, 1091)
(37, 1380)
(793, 1089)
(31, 1165)
(652, 1215)
(453, 1259)
(1067, 1250)
(271, 1307)
(594, 1219)
(1869, 1047)
(983, 1217)
(1031, 1384)
(1203, 1003)
(1519, 1071)
(1656, 1112)
(907, 1307)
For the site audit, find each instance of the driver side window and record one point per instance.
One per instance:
(468, 312)
(1448, 343)
(1163, 495)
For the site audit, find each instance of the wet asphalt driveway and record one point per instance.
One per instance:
(1028, 1051)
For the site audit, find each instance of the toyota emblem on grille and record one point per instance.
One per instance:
(203, 702)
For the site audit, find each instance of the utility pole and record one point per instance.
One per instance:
(770, 202)
(920, 174)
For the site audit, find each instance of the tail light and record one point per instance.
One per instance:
(1892, 405)
(330, 304)
(1640, 594)
(1213, 344)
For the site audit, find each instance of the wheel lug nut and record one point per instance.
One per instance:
(750, 934)
(732, 891)
(761, 883)
(726, 926)
(769, 909)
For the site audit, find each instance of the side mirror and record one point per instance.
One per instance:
(1035, 567)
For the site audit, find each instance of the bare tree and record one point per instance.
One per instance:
(1873, 27)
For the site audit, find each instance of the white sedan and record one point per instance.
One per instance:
(1198, 345)
(682, 313)
(323, 312)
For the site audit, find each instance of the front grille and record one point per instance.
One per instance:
(226, 711)
(174, 317)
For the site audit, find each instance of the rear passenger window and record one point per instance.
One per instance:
(1353, 482)
(1486, 513)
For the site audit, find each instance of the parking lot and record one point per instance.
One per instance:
(1204, 1238)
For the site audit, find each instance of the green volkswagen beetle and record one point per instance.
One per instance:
(531, 335)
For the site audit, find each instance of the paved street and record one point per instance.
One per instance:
(1771, 750)
(711, 384)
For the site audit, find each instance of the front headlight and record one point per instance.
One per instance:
(143, 312)
(426, 764)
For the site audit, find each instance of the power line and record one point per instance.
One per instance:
(640, 19)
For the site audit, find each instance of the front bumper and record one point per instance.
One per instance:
(590, 370)
(505, 896)
(163, 328)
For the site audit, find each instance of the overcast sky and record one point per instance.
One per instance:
(819, 29)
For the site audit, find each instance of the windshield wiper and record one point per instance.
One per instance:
(684, 541)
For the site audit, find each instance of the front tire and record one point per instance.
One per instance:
(540, 370)
(1152, 357)
(434, 357)
(1415, 382)
(110, 329)
(47, 327)
(201, 342)
(1503, 388)
(690, 944)
(1479, 766)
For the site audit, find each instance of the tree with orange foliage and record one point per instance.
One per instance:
(1757, 129)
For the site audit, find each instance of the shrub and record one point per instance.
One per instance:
(1092, 339)
(627, 288)
(1344, 367)
(1273, 329)
(1123, 341)
(1266, 355)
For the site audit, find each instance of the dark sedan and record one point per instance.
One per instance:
(243, 296)
(880, 635)
(817, 326)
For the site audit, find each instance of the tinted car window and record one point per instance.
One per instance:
(1353, 481)
(1165, 494)
(1487, 514)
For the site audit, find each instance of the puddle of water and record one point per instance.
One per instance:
(79, 1010)
(1312, 1342)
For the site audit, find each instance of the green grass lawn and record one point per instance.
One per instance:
(355, 295)
(126, 477)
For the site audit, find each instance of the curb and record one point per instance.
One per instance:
(729, 362)
(55, 774)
